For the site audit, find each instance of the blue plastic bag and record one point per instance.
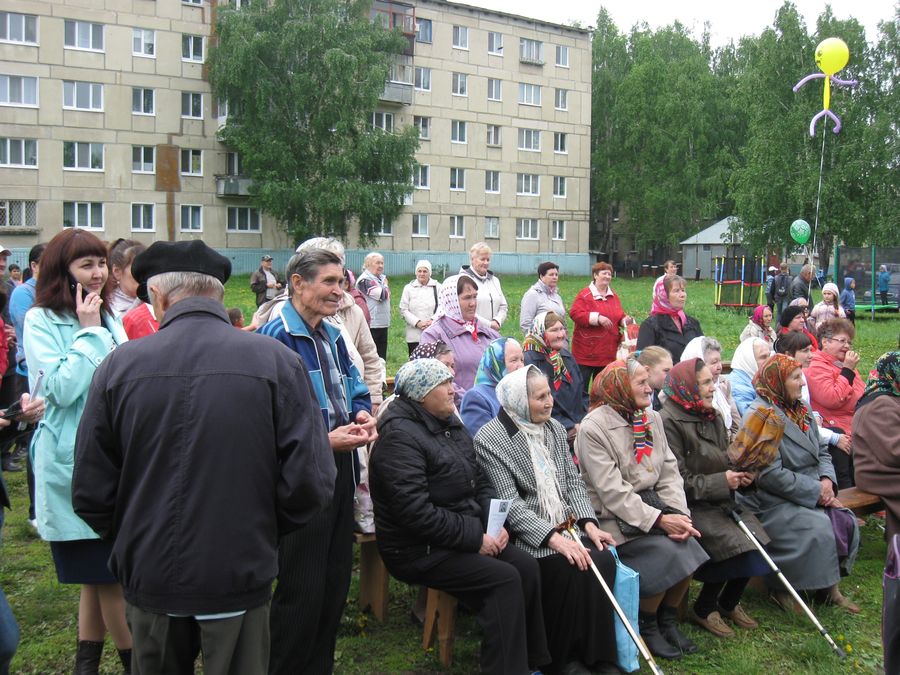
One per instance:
(627, 592)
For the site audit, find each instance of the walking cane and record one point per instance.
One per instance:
(569, 528)
(736, 514)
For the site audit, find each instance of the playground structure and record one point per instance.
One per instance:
(740, 281)
(862, 264)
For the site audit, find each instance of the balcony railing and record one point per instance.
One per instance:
(232, 186)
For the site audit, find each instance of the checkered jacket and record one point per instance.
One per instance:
(503, 455)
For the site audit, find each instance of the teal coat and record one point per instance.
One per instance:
(68, 354)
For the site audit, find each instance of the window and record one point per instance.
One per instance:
(495, 43)
(460, 37)
(420, 224)
(82, 95)
(191, 218)
(558, 229)
(18, 213)
(18, 90)
(192, 2)
(562, 99)
(234, 165)
(423, 124)
(531, 51)
(18, 152)
(143, 101)
(18, 28)
(422, 177)
(385, 228)
(528, 184)
(191, 47)
(192, 105)
(243, 219)
(191, 162)
(383, 121)
(562, 60)
(491, 181)
(143, 42)
(493, 134)
(491, 227)
(459, 86)
(530, 139)
(529, 94)
(559, 142)
(495, 90)
(559, 186)
(142, 158)
(457, 179)
(526, 228)
(422, 80)
(83, 35)
(423, 30)
(87, 215)
(457, 131)
(83, 156)
(142, 217)
(457, 227)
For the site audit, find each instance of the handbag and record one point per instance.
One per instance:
(890, 617)
(651, 498)
(627, 593)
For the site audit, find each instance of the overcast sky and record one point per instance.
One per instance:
(727, 19)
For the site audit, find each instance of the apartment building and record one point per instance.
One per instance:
(107, 123)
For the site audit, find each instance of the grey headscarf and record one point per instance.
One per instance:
(416, 379)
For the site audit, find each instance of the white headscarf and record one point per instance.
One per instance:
(512, 393)
(694, 350)
(744, 359)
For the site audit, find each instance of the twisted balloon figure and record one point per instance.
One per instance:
(832, 55)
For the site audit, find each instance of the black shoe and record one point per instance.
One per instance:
(654, 640)
(668, 627)
(125, 658)
(87, 658)
(10, 464)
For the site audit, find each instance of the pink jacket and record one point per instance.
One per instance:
(831, 394)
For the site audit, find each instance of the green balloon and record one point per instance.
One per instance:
(800, 231)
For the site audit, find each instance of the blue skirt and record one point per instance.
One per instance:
(83, 561)
(741, 566)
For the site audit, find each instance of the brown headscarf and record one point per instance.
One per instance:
(612, 387)
(769, 383)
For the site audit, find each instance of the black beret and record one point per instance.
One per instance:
(178, 256)
(788, 315)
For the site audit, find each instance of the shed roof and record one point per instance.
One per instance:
(717, 233)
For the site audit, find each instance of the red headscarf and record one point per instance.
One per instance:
(661, 304)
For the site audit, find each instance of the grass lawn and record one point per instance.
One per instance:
(47, 611)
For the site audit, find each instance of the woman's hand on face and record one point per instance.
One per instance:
(489, 546)
(571, 550)
(851, 360)
(826, 492)
(601, 538)
(87, 309)
(678, 527)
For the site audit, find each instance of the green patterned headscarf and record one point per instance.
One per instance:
(885, 377)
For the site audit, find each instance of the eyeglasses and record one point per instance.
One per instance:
(843, 341)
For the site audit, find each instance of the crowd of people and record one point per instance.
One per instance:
(134, 388)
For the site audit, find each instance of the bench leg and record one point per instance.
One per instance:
(440, 617)
(373, 581)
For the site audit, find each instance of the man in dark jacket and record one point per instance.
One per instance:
(199, 446)
(800, 284)
(265, 282)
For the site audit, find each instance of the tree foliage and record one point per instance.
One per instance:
(302, 78)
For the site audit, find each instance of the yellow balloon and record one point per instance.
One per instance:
(832, 54)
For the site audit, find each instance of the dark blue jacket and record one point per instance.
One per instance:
(570, 401)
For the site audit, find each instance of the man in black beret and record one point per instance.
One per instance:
(200, 445)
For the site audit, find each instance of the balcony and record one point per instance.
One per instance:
(232, 186)
(399, 87)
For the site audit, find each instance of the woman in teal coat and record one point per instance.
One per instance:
(68, 332)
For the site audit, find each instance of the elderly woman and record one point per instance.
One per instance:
(524, 453)
(829, 307)
(431, 502)
(492, 305)
(835, 387)
(543, 296)
(760, 326)
(480, 404)
(658, 362)
(598, 316)
(545, 347)
(419, 303)
(373, 284)
(747, 359)
(875, 449)
(638, 493)
(697, 436)
(793, 318)
(457, 325)
(668, 326)
(710, 351)
(813, 540)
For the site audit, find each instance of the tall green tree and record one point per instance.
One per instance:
(302, 78)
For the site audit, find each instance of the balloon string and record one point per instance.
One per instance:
(818, 201)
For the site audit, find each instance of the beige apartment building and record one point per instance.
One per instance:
(107, 123)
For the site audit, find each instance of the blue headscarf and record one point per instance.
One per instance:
(492, 367)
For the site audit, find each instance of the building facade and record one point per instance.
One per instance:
(108, 123)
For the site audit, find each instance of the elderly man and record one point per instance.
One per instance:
(314, 563)
(264, 281)
(198, 448)
(800, 284)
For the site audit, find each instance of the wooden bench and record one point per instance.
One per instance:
(440, 617)
(373, 577)
(861, 503)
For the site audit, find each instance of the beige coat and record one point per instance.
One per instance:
(605, 450)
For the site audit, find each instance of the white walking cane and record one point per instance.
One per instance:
(735, 513)
(637, 639)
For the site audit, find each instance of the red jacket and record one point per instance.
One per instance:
(139, 322)
(594, 345)
(831, 393)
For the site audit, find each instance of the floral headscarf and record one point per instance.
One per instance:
(416, 379)
(492, 367)
(661, 305)
(682, 387)
(534, 342)
(448, 306)
(885, 377)
(769, 384)
(612, 387)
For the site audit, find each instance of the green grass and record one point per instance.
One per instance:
(47, 611)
